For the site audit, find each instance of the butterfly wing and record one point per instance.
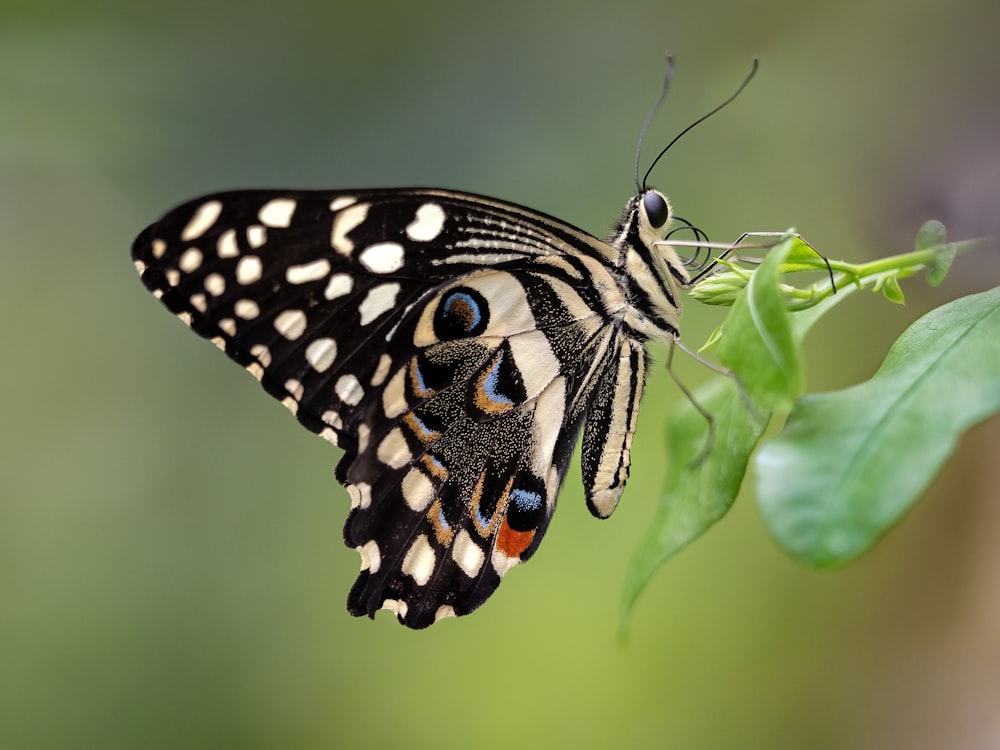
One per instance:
(451, 344)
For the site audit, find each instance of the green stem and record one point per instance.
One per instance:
(721, 289)
(913, 262)
(875, 272)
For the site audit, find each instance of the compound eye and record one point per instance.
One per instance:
(656, 209)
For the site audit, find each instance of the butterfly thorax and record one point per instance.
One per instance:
(647, 274)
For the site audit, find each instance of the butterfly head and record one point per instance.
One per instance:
(646, 217)
(652, 218)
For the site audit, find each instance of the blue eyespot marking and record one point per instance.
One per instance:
(462, 312)
(526, 500)
(465, 309)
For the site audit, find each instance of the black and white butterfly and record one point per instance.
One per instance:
(452, 345)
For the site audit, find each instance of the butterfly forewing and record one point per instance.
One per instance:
(451, 344)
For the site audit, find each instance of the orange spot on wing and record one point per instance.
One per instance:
(513, 543)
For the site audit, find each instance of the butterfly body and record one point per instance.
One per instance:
(453, 345)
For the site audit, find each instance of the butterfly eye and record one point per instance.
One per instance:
(656, 209)
(462, 312)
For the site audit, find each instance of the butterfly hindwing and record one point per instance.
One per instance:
(452, 345)
(464, 453)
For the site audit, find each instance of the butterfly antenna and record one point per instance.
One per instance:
(649, 118)
(753, 71)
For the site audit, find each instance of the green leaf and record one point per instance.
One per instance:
(892, 291)
(931, 234)
(712, 340)
(697, 493)
(849, 464)
(756, 342)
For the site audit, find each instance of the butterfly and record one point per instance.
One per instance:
(454, 346)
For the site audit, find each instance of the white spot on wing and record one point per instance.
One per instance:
(227, 247)
(394, 395)
(307, 272)
(393, 450)
(202, 221)
(501, 563)
(339, 285)
(249, 269)
(291, 324)
(262, 354)
(467, 554)
(444, 611)
(360, 494)
(349, 390)
(379, 300)
(371, 558)
(199, 303)
(227, 325)
(342, 202)
(344, 222)
(215, 284)
(321, 353)
(382, 257)
(246, 309)
(384, 363)
(333, 419)
(428, 223)
(277, 213)
(417, 490)
(190, 260)
(256, 235)
(419, 560)
(295, 388)
(159, 248)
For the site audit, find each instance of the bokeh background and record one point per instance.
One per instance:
(171, 566)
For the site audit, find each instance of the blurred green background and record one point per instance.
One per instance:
(171, 566)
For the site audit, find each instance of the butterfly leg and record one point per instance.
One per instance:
(710, 439)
